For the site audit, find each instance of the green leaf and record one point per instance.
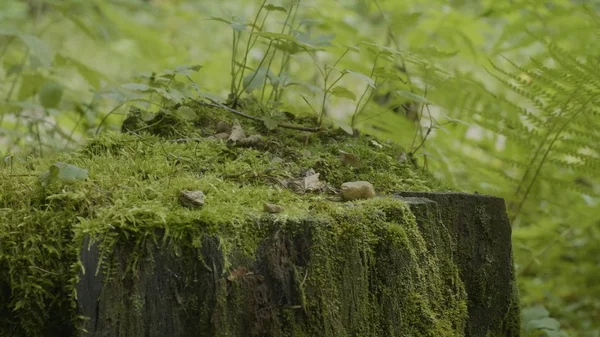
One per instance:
(19, 305)
(137, 87)
(208, 95)
(114, 94)
(9, 32)
(352, 48)
(289, 47)
(92, 76)
(363, 77)
(147, 38)
(275, 36)
(379, 53)
(343, 92)
(38, 49)
(456, 121)
(383, 72)
(270, 7)
(171, 95)
(537, 318)
(282, 80)
(342, 125)
(550, 333)
(82, 26)
(186, 112)
(412, 96)
(435, 52)
(216, 18)
(315, 42)
(546, 323)
(270, 122)
(189, 68)
(256, 79)
(30, 85)
(533, 313)
(76, 20)
(313, 89)
(404, 22)
(176, 95)
(70, 173)
(310, 22)
(381, 49)
(62, 172)
(14, 69)
(237, 26)
(185, 70)
(8, 160)
(50, 94)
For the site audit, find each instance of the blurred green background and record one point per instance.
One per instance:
(499, 97)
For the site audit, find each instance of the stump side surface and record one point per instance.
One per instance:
(481, 234)
(441, 267)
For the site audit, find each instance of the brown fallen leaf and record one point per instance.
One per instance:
(272, 208)
(222, 135)
(402, 158)
(350, 159)
(237, 273)
(305, 184)
(375, 144)
(237, 132)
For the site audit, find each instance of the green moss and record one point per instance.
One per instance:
(364, 252)
(390, 275)
(483, 254)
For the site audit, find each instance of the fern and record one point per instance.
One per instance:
(549, 118)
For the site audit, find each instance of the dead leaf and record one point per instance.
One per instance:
(237, 133)
(402, 158)
(272, 208)
(237, 273)
(222, 135)
(310, 182)
(350, 159)
(375, 144)
(311, 171)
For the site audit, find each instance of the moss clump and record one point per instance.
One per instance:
(132, 189)
(379, 277)
(481, 235)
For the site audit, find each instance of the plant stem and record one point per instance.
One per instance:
(239, 113)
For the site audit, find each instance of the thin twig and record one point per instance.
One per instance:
(117, 107)
(239, 113)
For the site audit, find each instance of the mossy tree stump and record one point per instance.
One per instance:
(121, 250)
(373, 270)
